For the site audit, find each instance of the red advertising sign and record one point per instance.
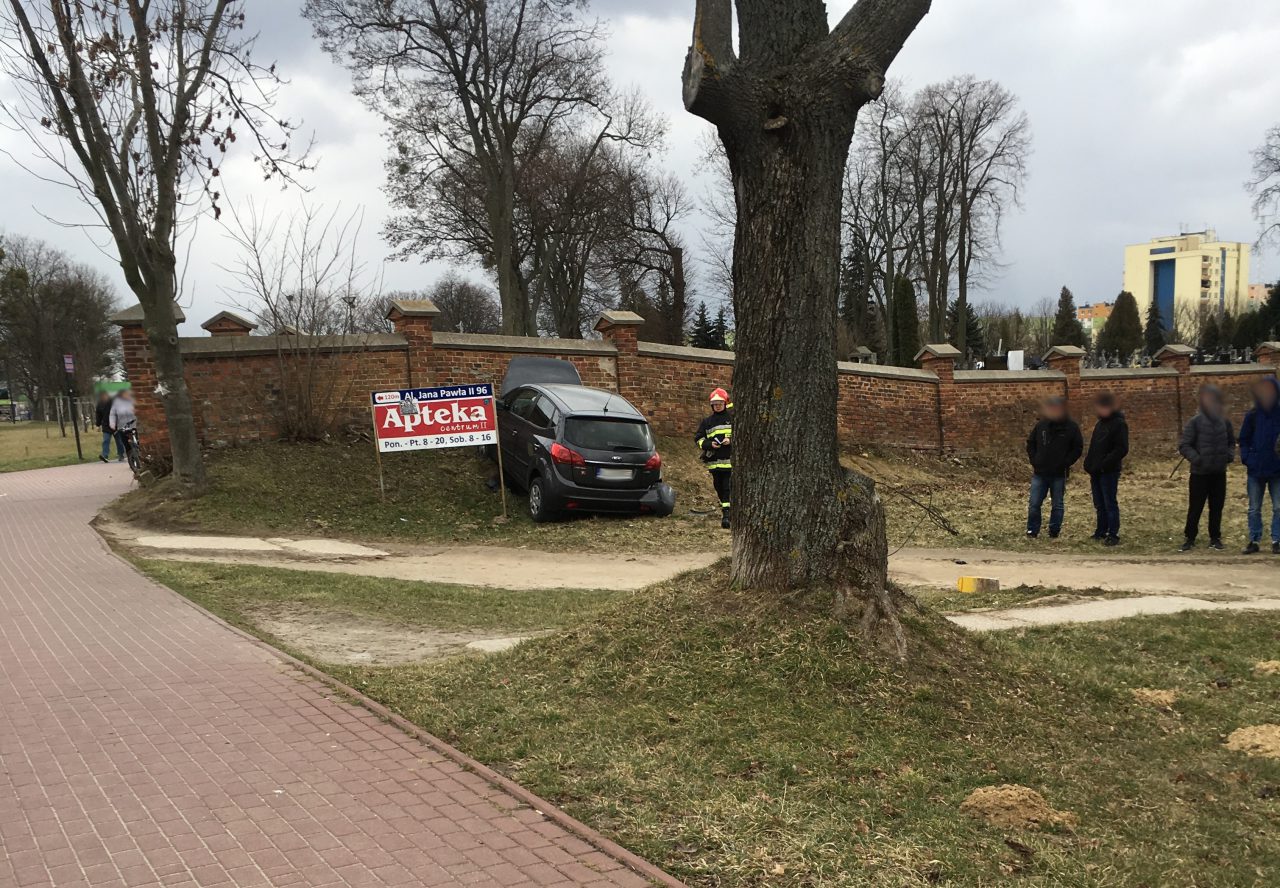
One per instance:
(427, 419)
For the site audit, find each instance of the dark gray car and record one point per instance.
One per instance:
(575, 448)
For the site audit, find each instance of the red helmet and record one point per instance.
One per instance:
(719, 395)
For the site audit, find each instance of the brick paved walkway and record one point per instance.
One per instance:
(146, 744)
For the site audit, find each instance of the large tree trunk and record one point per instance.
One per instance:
(517, 319)
(785, 112)
(800, 518)
(162, 333)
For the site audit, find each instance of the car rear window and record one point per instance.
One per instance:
(618, 435)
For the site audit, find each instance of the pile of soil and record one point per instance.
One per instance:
(1014, 807)
(1267, 667)
(1259, 740)
(1153, 697)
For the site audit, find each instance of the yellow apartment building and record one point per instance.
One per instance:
(1186, 272)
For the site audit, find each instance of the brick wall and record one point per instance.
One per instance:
(236, 380)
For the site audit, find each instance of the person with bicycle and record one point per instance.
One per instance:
(123, 423)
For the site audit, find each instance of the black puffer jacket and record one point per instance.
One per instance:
(1208, 443)
(1108, 446)
(1054, 446)
(102, 415)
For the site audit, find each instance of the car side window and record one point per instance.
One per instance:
(521, 402)
(541, 413)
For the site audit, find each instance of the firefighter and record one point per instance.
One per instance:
(715, 437)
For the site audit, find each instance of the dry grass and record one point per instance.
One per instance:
(740, 742)
(332, 489)
(39, 445)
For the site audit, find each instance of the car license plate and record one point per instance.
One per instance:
(615, 474)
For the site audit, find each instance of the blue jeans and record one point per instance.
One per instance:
(1258, 488)
(107, 437)
(1106, 491)
(1042, 486)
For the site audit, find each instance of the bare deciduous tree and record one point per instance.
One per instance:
(49, 307)
(465, 306)
(469, 89)
(136, 103)
(299, 275)
(932, 178)
(784, 103)
(651, 249)
(1265, 186)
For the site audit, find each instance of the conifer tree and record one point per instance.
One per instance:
(1067, 329)
(906, 326)
(1122, 334)
(1154, 334)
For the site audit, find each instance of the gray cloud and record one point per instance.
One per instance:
(1144, 114)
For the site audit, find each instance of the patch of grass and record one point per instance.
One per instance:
(241, 594)
(986, 501)
(332, 489)
(40, 445)
(741, 744)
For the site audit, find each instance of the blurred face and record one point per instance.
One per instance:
(1210, 404)
(1265, 392)
(717, 406)
(1053, 410)
(1104, 410)
(104, 397)
(127, 395)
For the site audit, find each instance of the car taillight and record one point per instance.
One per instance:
(654, 463)
(566, 457)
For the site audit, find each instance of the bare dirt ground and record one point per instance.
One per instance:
(362, 642)
(1152, 584)
(488, 566)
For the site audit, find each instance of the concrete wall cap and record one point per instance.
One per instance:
(939, 350)
(618, 319)
(1175, 351)
(684, 353)
(1127, 372)
(1228, 369)
(887, 371)
(1065, 351)
(1010, 376)
(231, 316)
(218, 346)
(133, 316)
(528, 344)
(1269, 346)
(412, 308)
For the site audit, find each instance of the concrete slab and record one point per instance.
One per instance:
(184, 543)
(1099, 610)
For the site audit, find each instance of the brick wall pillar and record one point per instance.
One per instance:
(1179, 358)
(140, 370)
(940, 360)
(622, 328)
(414, 319)
(1067, 359)
(1269, 354)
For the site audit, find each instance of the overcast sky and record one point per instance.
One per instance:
(1143, 115)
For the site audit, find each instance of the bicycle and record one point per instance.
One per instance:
(132, 450)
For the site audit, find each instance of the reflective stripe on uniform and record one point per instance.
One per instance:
(715, 466)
